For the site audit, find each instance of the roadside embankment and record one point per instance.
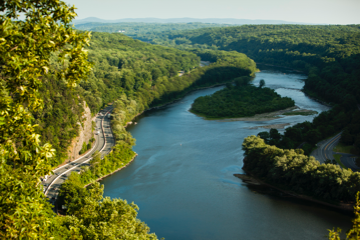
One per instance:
(85, 134)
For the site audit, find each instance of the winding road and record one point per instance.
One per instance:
(325, 151)
(104, 141)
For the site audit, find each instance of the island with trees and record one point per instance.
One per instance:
(240, 100)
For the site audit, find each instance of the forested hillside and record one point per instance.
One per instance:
(145, 73)
(330, 55)
(120, 64)
(124, 65)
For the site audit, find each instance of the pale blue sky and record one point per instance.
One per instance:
(308, 11)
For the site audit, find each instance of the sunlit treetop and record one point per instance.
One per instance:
(25, 49)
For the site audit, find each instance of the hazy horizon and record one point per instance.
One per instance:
(306, 11)
(230, 21)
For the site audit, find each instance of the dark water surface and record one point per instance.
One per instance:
(183, 179)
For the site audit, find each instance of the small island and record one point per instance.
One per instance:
(240, 100)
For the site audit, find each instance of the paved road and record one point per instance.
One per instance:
(62, 173)
(325, 151)
(349, 161)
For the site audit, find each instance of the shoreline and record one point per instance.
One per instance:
(318, 100)
(178, 99)
(257, 117)
(249, 179)
(272, 65)
(101, 178)
(260, 117)
(171, 102)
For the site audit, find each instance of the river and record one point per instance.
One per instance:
(183, 179)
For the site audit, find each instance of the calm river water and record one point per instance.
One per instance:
(183, 179)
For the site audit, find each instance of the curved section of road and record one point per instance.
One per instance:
(325, 148)
(104, 142)
(349, 161)
(325, 151)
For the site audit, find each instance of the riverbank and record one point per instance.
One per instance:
(171, 102)
(277, 66)
(101, 178)
(184, 94)
(317, 100)
(250, 179)
(265, 116)
(276, 126)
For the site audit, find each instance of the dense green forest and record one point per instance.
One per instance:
(330, 55)
(124, 65)
(241, 100)
(120, 65)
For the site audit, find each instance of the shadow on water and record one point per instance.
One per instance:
(284, 197)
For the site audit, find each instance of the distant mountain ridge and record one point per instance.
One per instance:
(187, 20)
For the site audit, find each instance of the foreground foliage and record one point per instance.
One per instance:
(354, 232)
(91, 216)
(26, 48)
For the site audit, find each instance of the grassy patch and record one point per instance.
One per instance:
(303, 113)
(337, 159)
(344, 148)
